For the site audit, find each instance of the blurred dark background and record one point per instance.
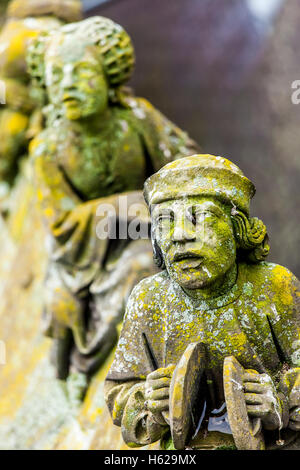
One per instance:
(222, 70)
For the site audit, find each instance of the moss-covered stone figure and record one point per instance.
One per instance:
(100, 143)
(218, 311)
(20, 118)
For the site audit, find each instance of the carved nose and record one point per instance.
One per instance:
(68, 77)
(67, 81)
(182, 234)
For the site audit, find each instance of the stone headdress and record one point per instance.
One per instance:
(114, 45)
(66, 10)
(208, 175)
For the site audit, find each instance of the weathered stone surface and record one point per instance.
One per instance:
(184, 392)
(35, 412)
(99, 144)
(247, 434)
(92, 152)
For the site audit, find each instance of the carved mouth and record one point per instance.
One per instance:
(188, 260)
(186, 256)
(70, 100)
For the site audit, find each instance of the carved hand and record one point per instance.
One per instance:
(157, 391)
(262, 400)
(73, 231)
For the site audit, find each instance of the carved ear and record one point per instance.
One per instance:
(35, 58)
(251, 236)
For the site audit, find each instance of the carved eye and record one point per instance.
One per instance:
(197, 215)
(56, 74)
(87, 72)
(165, 217)
(191, 215)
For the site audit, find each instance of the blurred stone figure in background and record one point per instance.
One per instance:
(99, 143)
(21, 119)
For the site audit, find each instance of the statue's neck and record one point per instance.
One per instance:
(221, 287)
(95, 122)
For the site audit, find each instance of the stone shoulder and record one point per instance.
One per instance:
(275, 274)
(148, 293)
(277, 283)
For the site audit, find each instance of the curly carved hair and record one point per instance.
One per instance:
(66, 10)
(250, 234)
(113, 43)
(251, 237)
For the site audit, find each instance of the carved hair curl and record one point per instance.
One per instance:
(113, 43)
(66, 10)
(250, 234)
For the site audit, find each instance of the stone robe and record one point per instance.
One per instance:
(76, 171)
(257, 321)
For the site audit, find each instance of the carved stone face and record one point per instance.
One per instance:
(75, 79)
(196, 237)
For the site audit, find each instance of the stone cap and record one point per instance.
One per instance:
(200, 175)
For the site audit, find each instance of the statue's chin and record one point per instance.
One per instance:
(194, 281)
(73, 114)
(195, 285)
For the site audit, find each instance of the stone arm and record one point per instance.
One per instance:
(286, 329)
(68, 218)
(126, 403)
(55, 195)
(127, 383)
(71, 221)
(163, 141)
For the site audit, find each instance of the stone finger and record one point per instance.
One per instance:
(162, 372)
(67, 224)
(161, 394)
(257, 411)
(159, 383)
(157, 405)
(64, 231)
(251, 377)
(253, 387)
(253, 399)
(66, 250)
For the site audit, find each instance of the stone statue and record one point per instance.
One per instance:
(20, 118)
(209, 353)
(100, 143)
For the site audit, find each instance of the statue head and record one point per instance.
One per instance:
(200, 219)
(66, 10)
(84, 64)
